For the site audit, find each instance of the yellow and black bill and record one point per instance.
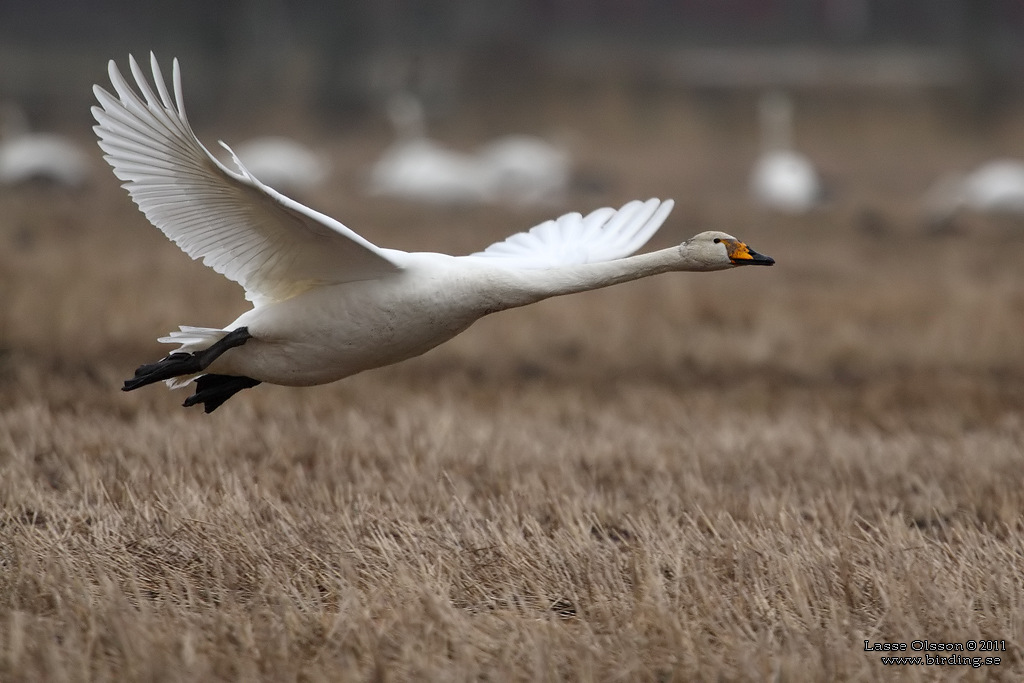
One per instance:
(742, 255)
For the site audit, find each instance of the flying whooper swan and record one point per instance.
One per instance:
(326, 302)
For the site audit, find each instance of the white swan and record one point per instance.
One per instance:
(518, 169)
(527, 170)
(26, 156)
(283, 163)
(328, 303)
(417, 168)
(994, 187)
(782, 179)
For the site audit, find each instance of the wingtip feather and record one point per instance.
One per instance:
(179, 97)
(605, 234)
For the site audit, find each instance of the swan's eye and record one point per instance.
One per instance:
(717, 241)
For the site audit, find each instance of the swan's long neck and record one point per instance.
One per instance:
(520, 287)
(776, 114)
(407, 117)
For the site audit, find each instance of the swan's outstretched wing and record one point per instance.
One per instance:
(271, 245)
(602, 235)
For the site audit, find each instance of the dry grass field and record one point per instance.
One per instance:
(736, 476)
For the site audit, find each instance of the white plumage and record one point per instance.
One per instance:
(571, 240)
(328, 303)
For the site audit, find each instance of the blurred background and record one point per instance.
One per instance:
(335, 58)
(867, 83)
(865, 144)
(570, 70)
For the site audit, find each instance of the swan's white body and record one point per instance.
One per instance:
(328, 303)
(997, 186)
(527, 170)
(282, 163)
(43, 156)
(26, 156)
(423, 170)
(782, 178)
(994, 187)
(785, 181)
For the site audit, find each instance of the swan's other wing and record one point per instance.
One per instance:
(271, 245)
(602, 235)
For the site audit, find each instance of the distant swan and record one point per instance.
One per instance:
(282, 163)
(26, 156)
(782, 179)
(328, 303)
(519, 169)
(993, 187)
(417, 168)
(527, 170)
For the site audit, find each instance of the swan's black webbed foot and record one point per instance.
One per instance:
(178, 364)
(213, 390)
(171, 366)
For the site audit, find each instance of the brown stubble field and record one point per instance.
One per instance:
(735, 476)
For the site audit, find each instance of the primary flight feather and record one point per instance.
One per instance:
(327, 302)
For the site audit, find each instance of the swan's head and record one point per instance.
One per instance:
(717, 251)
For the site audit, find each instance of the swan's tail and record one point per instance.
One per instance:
(192, 339)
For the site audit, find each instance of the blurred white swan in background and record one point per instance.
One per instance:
(518, 169)
(326, 302)
(994, 187)
(527, 170)
(284, 164)
(27, 156)
(782, 179)
(417, 168)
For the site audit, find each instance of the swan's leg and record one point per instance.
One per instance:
(178, 364)
(213, 390)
